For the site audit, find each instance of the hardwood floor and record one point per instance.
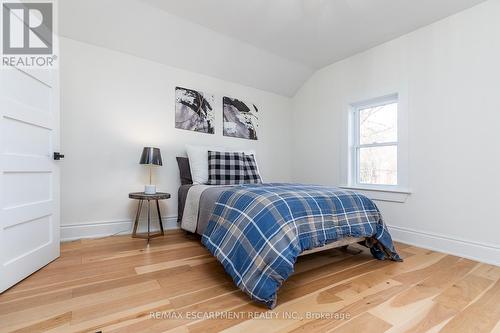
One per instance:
(117, 284)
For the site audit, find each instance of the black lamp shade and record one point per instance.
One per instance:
(151, 155)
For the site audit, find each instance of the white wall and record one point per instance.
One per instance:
(448, 77)
(113, 104)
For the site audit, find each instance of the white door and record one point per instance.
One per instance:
(29, 176)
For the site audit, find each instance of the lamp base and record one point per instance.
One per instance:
(150, 189)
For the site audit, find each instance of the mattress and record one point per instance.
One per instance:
(206, 205)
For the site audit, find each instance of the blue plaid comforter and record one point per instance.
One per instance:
(257, 231)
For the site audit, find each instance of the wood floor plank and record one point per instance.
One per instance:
(95, 268)
(496, 329)
(127, 315)
(371, 302)
(117, 284)
(487, 271)
(15, 305)
(191, 262)
(20, 318)
(364, 323)
(62, 284)
(138, 250)
(481, 316)
(47, 324)
(316, 291)
(447, 304)
(435, 283)
(417, 300)
(114, 306)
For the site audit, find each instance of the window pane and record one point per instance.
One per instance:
(378, 124)
(378, 165)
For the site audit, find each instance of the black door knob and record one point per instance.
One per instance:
(58, 156)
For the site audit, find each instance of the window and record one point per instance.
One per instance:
(374, 136)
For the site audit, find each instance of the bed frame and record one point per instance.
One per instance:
(340, 243)
(344, 242)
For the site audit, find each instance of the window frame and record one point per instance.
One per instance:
(356, 146)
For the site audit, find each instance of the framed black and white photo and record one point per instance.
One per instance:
(241, 119)
(194, 110)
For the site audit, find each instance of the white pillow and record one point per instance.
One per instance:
(198, 160)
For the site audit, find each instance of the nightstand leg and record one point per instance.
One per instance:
(149, 218)
(159, 217)
(137, 216)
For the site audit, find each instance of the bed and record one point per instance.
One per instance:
(257, 231)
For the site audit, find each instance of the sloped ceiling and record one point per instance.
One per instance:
(315, 33)
(273, 45)
(136, 28)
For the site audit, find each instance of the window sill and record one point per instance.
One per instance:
(381, 194)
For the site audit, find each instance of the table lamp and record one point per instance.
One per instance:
(150, 156)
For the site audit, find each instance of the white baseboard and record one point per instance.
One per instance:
(486, 253)
(108, 228)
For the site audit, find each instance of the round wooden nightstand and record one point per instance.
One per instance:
(141, 196)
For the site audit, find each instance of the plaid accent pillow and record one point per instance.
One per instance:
(226, 168)
(252, 175)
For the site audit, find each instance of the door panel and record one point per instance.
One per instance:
(29, 178)
(25, 237)
(20, 188)
(27, 90)
(15, 110)
(22, 138)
